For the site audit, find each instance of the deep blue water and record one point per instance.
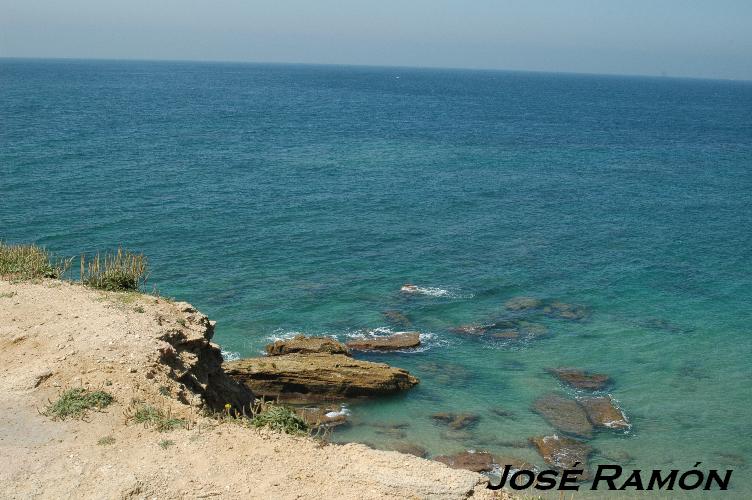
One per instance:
(283, 199)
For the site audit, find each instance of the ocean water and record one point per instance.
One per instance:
(282, 199)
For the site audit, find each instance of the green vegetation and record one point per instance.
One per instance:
(166, 443)
(280, 419)
(154, 418)
(106, 441)
(75, 403)
(29, 262)
(115, 272)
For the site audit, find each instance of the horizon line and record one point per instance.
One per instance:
(383, 66)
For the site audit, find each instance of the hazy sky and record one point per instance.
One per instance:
(703, 38)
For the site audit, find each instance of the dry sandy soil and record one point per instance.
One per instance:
(55, 336)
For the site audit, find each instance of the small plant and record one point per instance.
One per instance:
(152, 417)
(139, 309)
(8, 295)
(106, 441)
(280, 419)
(75, 403)
(115, 272)
(29, 262)
(166, 443)
(181, 321)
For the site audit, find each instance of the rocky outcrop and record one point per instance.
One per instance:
(563, 452)
(564, 414)
(476, 461)
(196, 363)
(602, 412)
(305, 345)
(402, 340)
(580, 379)
(318, 376)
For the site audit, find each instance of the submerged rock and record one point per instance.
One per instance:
(565, 311)
(456, 421)
(564, 414)
(305, 345)
(510, 334)
(397, 318)
(581, 379)
(410, 449)
(402, 340)
(313, 377)
(476, 461)
(523, 303)
(409, 288)
(469, 330)
(563, 452)
(602, 412)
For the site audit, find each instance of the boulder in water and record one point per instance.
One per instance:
(564, 414)
(563, 452)
(409, 288)
(602, 412)
(323, 417)
(401, 340)
(306, 345)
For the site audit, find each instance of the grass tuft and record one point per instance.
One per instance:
(30, 262)
(152, 417)
(75, 403)
(166, 443)
(106, 441)
(280, 419)
(115, 271)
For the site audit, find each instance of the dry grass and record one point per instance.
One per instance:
(117, 271)
(30, 262)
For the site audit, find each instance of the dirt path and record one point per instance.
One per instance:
(55, 336)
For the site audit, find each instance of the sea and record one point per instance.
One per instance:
(299, 199)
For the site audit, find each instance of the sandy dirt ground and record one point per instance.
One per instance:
(56, 336)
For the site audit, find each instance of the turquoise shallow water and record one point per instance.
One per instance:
(283, 199)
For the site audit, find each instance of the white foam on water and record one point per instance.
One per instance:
(434, 291)
(343, 412)
(230, 355)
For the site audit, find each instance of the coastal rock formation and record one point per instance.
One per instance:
(397, 318)
(318, 376)
(564, 414)
(196, 362)
(563, 452)
(522, 303)
(306, 345)
(565, 311)
(456, 421)
(402, 340)
(602, 412)
(476, 461)
(580, 379)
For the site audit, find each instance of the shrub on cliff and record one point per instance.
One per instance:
(115, 271)
(280, 419)
(75, 403)
(29, 262)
